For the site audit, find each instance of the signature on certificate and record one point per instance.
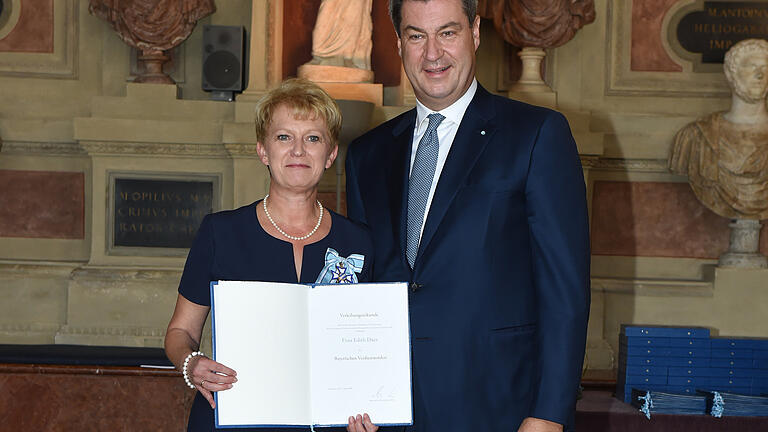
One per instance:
(383, 394)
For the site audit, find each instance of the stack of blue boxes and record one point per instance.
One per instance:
(685, 359)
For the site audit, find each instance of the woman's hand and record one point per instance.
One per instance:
(361, 423)
(182, 337)
(209, 376)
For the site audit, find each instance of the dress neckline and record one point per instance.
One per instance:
(289, 246)
(263, 231)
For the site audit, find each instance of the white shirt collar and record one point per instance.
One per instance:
(453, 113)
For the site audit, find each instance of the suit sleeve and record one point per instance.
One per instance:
(355, 210)
(559, 230)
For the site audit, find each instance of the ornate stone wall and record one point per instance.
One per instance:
(72, 117)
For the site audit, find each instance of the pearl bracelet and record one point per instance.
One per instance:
(184, 368)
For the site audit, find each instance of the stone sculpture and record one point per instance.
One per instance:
(538, 23)
(341, 43)
(152, 27)
(725, 154)
(535, 25)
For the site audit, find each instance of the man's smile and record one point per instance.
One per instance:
(436, 71)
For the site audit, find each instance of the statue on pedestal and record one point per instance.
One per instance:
(341, 43)
(152, 27)
(725, 154)
(534, 25)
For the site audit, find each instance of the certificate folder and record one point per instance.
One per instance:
(312, 355)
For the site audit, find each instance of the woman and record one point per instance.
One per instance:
(282, 238)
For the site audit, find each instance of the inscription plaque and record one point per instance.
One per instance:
(159, 213)
(711, 31)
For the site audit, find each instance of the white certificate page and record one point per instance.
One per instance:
(360, 348)
(260, 330)
(312, 355)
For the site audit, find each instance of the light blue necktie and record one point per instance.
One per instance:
(422, 174)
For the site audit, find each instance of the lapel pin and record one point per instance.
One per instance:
(482, 132)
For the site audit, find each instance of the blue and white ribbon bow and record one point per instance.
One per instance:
(647, 405)
(340, 270)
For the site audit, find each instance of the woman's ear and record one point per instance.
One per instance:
(332, 156)
(262, 152)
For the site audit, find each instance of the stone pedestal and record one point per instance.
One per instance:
(531, 88)
(323, 73)
(744, 246)
(373, 93)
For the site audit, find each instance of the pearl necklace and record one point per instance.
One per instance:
(304, 237)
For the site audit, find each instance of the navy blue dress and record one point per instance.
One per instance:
(232, 245)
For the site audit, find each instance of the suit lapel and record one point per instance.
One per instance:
(473, 135)
(398, 178)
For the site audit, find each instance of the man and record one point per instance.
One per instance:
(479, 203)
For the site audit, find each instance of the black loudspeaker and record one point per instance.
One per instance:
(223, 48)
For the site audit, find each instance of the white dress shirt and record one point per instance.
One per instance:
(446, 132)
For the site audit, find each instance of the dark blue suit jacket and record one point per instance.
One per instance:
(499, 293)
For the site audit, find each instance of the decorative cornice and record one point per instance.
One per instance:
(49, 328)
(588, 161)
(15, 269)
(41, 148)
(155, 149)
(654, 287)
(638, 165)
(126, 274)
(241, 150)
(155, 332)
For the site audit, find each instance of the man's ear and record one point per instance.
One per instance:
(399, 48)
(476, 31)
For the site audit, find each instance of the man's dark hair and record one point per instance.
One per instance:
(395, 6)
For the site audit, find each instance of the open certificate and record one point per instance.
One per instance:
(312, 355)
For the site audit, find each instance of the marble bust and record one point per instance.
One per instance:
(725, 154)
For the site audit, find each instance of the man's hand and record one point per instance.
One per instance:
(531, 424)
(361, 423)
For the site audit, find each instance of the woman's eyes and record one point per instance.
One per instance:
(308, 138)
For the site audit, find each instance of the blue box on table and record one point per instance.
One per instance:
(647, 352)
(635, 330)
(732, 353)
(732, 363)
(739, 343)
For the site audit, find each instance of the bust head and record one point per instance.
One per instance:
(746, 69)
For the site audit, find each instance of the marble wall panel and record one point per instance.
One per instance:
(33, 32)
(656, 220)
(299, 19)
(35, 401)
(648, 52)
(42, 204)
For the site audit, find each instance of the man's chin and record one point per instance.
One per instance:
(750, 97)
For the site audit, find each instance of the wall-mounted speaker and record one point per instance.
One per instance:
(223, 53)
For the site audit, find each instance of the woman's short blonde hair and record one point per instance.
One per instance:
(306, 99)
